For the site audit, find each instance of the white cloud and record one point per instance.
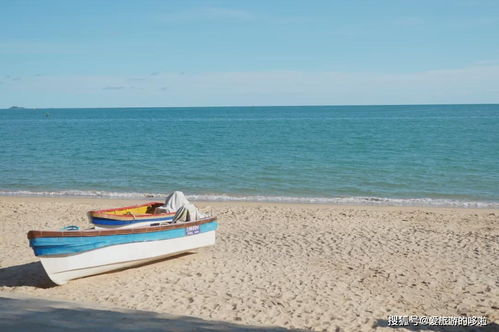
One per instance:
(474, 84)
(37, 47)
(197, 14)
(410, 21)
(114, 88)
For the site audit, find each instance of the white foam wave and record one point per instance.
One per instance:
(352, 200)
(349, 200)
(81, 193)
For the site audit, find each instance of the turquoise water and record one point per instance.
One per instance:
(428, 154)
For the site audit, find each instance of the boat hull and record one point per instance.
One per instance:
(65, 267)
(71, 254)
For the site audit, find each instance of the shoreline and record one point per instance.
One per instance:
(118, 202)
(223, 198)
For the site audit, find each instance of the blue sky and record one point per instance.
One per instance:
(209, 53)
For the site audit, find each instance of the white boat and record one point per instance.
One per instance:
(71, 254)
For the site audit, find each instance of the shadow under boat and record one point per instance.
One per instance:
(29, 274)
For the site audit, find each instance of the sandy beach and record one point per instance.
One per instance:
(315, 267)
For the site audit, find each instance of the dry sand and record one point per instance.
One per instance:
(315, 267)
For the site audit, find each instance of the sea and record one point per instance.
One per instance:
(414, 155)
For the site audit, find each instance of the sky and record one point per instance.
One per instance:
(247, 53)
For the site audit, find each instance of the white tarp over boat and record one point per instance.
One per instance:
(173, 202)
(186, 211)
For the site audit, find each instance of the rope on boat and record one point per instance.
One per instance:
(70, 228)
(131, 214)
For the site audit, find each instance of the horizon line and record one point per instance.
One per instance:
(15, 107)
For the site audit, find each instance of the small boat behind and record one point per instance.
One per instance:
(176, 207)
(131, 216)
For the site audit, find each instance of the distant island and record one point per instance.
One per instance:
(16, 108)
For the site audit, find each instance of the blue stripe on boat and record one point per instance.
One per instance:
(113, 222)
(46, 246)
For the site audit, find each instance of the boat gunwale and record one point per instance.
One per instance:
(104, 232)
(127, 217)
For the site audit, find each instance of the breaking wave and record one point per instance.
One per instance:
(347, 200)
